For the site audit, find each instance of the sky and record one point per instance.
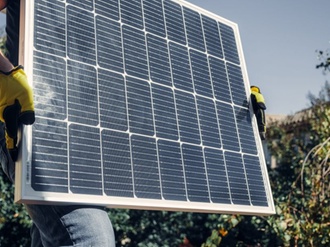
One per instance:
(279, 39)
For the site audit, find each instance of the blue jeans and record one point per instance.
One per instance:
(54, 225)
(81, 226)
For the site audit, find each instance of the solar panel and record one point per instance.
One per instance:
(139, 104)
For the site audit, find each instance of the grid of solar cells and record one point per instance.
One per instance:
(141, 99)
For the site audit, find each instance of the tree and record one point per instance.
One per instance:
(304, 217)
(14, 221)
(324, 58)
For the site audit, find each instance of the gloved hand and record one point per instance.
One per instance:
(16, 106)
(262, 136)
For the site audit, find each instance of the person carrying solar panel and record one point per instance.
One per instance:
(259, 107)
(53, 225)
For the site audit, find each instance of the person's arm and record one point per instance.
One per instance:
(5, 64)
(16, 102)
(3, 4)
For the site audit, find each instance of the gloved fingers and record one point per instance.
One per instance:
(13, 116)
(10, 116)
(11, 146)
(27, 117)
(13, 154)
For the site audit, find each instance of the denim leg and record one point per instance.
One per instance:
(8, 166)
(79, 226)
(35, 236)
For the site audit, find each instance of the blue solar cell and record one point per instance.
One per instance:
(139, 107)
(201, 74)
(195, 173)
(81, 35)
(159, 63)
(220, 81)
(194, 29)
(255, 180)
(107, 8)
(50, 156)
(117, 168)
(82, 94)
(154, 17)
(212, 37)
(229, 43)
(131, 13)
(187, 117)
(237, 87)
(174, 22)
(145, 167)
(50, 88)
(112, 100)
(109, 41)
(245, 130)
(237, 179)
(217, 176)
(171, 171)
(51, 37)
(84, 4)
(228, 129)
(164, 112)
(181, 70)
(135, 54)
(85, 160)
(209, 127)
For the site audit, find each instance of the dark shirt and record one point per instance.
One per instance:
(12, 30)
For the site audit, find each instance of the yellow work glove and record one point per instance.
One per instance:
(16, 105)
